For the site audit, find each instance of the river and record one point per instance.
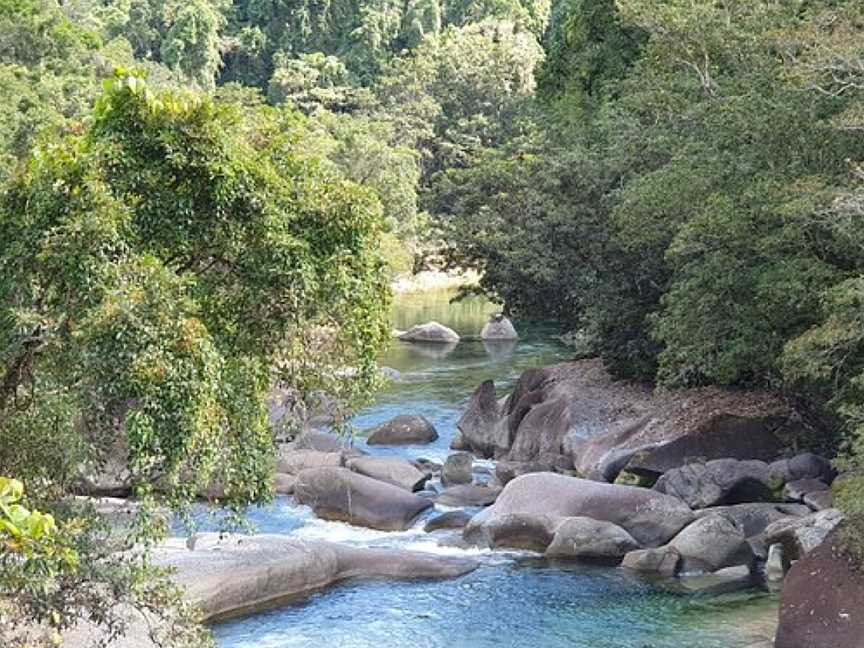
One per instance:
(514, 599)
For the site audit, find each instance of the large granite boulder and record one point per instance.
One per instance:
(392, 470)
(457, 469)
(711, 543)
(803, 466)
(224, 576)
(800, 535)
(481, 428)
(723, 436)
(321, 441)
(661, 561)
(406, 429)
(340, 494)
(507, 471)
(719, 482)
(430, 333)
(582, 538)
(822, 599)
(754, 518)
(499, 327)
(651, 518)
(468, 495)
(292, 462)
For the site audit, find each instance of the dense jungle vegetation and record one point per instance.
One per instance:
(204, 198)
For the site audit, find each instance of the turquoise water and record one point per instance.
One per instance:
(514, 599)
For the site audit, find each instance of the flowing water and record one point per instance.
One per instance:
(513, 599)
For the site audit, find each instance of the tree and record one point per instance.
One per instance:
(162, 271)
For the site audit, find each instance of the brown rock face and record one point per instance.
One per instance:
(404, 430)
(822, 601)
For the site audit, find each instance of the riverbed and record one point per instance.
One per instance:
(514, 599)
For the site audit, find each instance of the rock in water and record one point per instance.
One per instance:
(663, 561)
(499, 328)
(292, 461)
(586, 539)
(481, 428)
(457, 469)
(392, 470)
(432, 332)
(404, 430)
(712, 543)
(448, 520)
(340, 494)
(822, 599)
(651, 518)
(468, 495)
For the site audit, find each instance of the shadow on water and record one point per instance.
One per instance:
(510, 601)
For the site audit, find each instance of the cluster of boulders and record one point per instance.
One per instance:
(498, 328)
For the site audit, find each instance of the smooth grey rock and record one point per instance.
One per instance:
(448, 520)
(819, 500)
(650, 517)
(499, 327)
(513, 530)
(393, 470)
(340, 494)
(431, 332)
(295, 461)
(712, 543)
(776, 565)
(803, 466)
(481, 428)
(507, 471)
(406, 429)
(457, 469)
(718, 482)
(227, 575)
(582, 538)
(799, 536)
(284, 484)
(468, 495)
(796, 491)
(321, 441)
(754, 518)
(663, 561)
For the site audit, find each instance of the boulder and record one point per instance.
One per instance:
(393, 470)
(448, 520)
(512, 530)
(776, 565)
(457, 469)
(340, 494)
(662, 561)
(468, 495)
(405, 429)
(506, 471)
(650, 517)
(711, 543)
(228, 575)
(458, 442)
(718, 482)
(754, 518)
(582, 538)
(321, 441)
(822, 599)
(427, 466)
(819, 500)
(481, 428)
(799, 536)
(499, 327)
(293, 461)
(723, 436)
(284, 484)
(803, 466)
(432, 332)
(796, 491)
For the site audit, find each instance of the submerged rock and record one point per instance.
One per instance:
(406, 429)
(340, 494)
